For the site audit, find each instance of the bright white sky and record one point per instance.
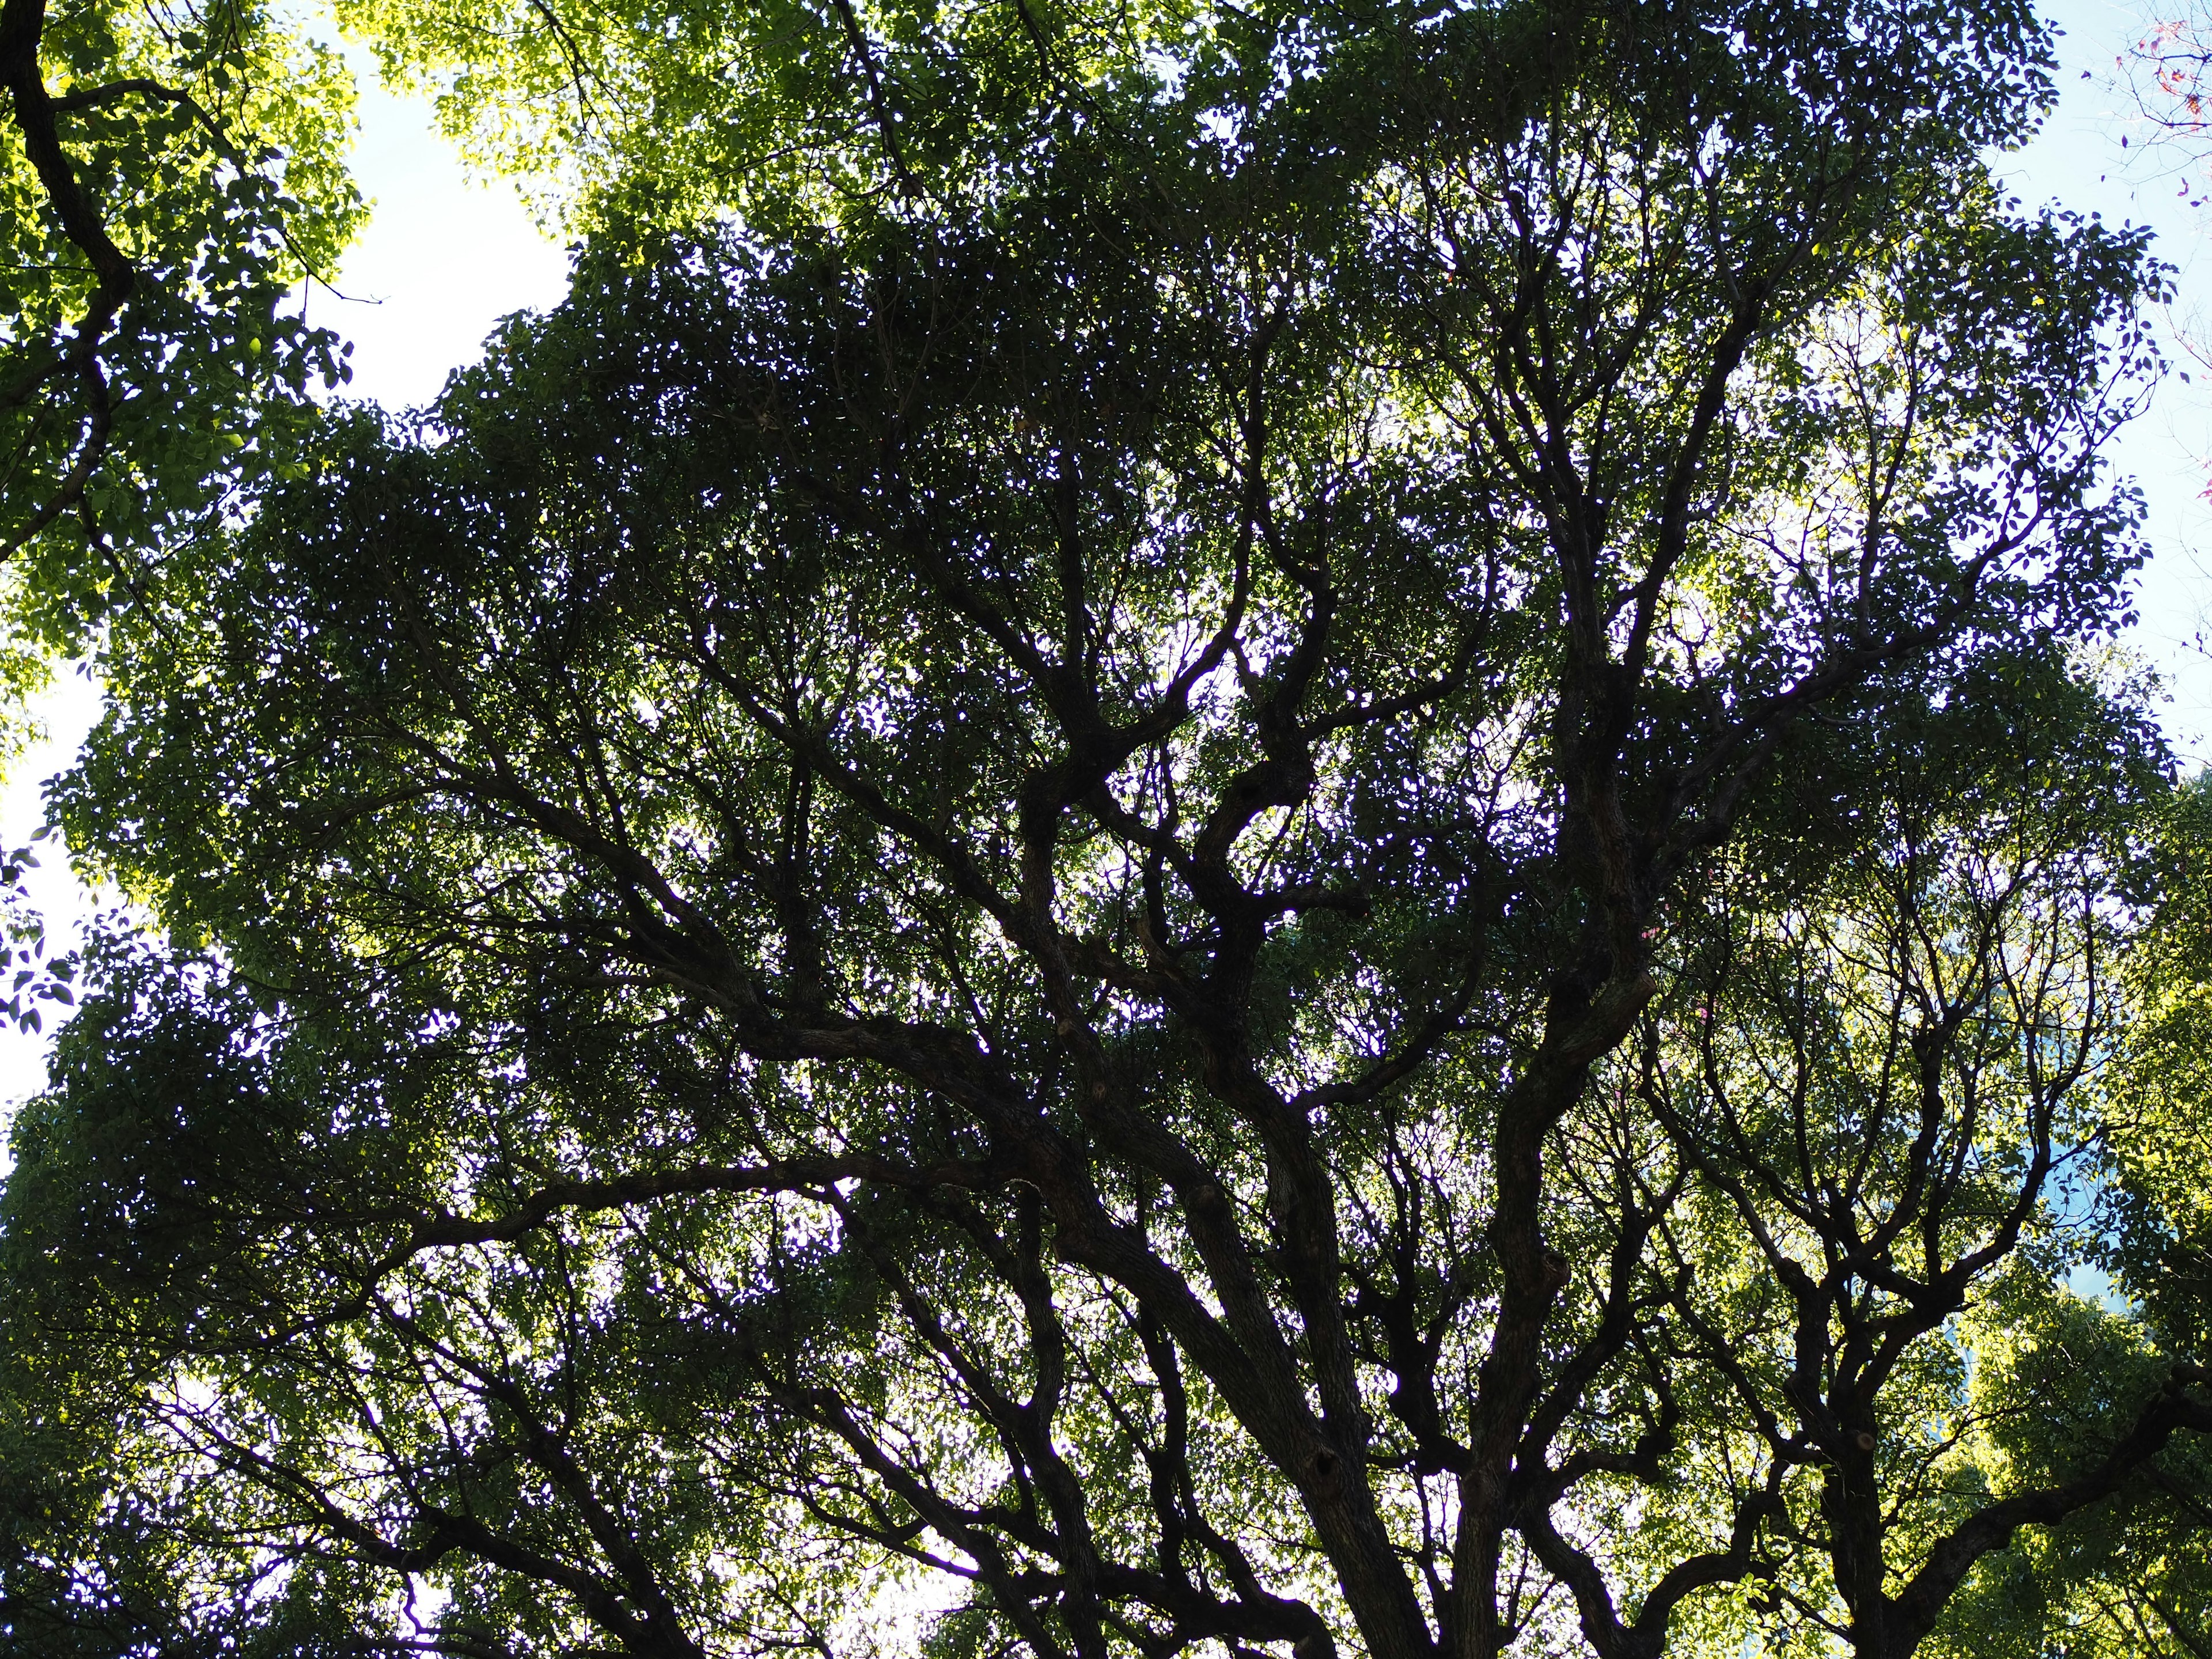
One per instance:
(443, 259)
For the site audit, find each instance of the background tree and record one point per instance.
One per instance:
(2135, 1580)
(1297, 833)
(167, 173)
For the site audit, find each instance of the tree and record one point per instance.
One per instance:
(1307, 839)
(167, 173)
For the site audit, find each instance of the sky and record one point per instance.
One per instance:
(444, 257)
(2078, 161)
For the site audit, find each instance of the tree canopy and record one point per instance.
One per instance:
(1224, 831)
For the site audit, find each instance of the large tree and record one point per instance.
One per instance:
(1227, 831)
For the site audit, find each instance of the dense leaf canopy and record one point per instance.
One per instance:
(1193, 830)
(167, 174)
